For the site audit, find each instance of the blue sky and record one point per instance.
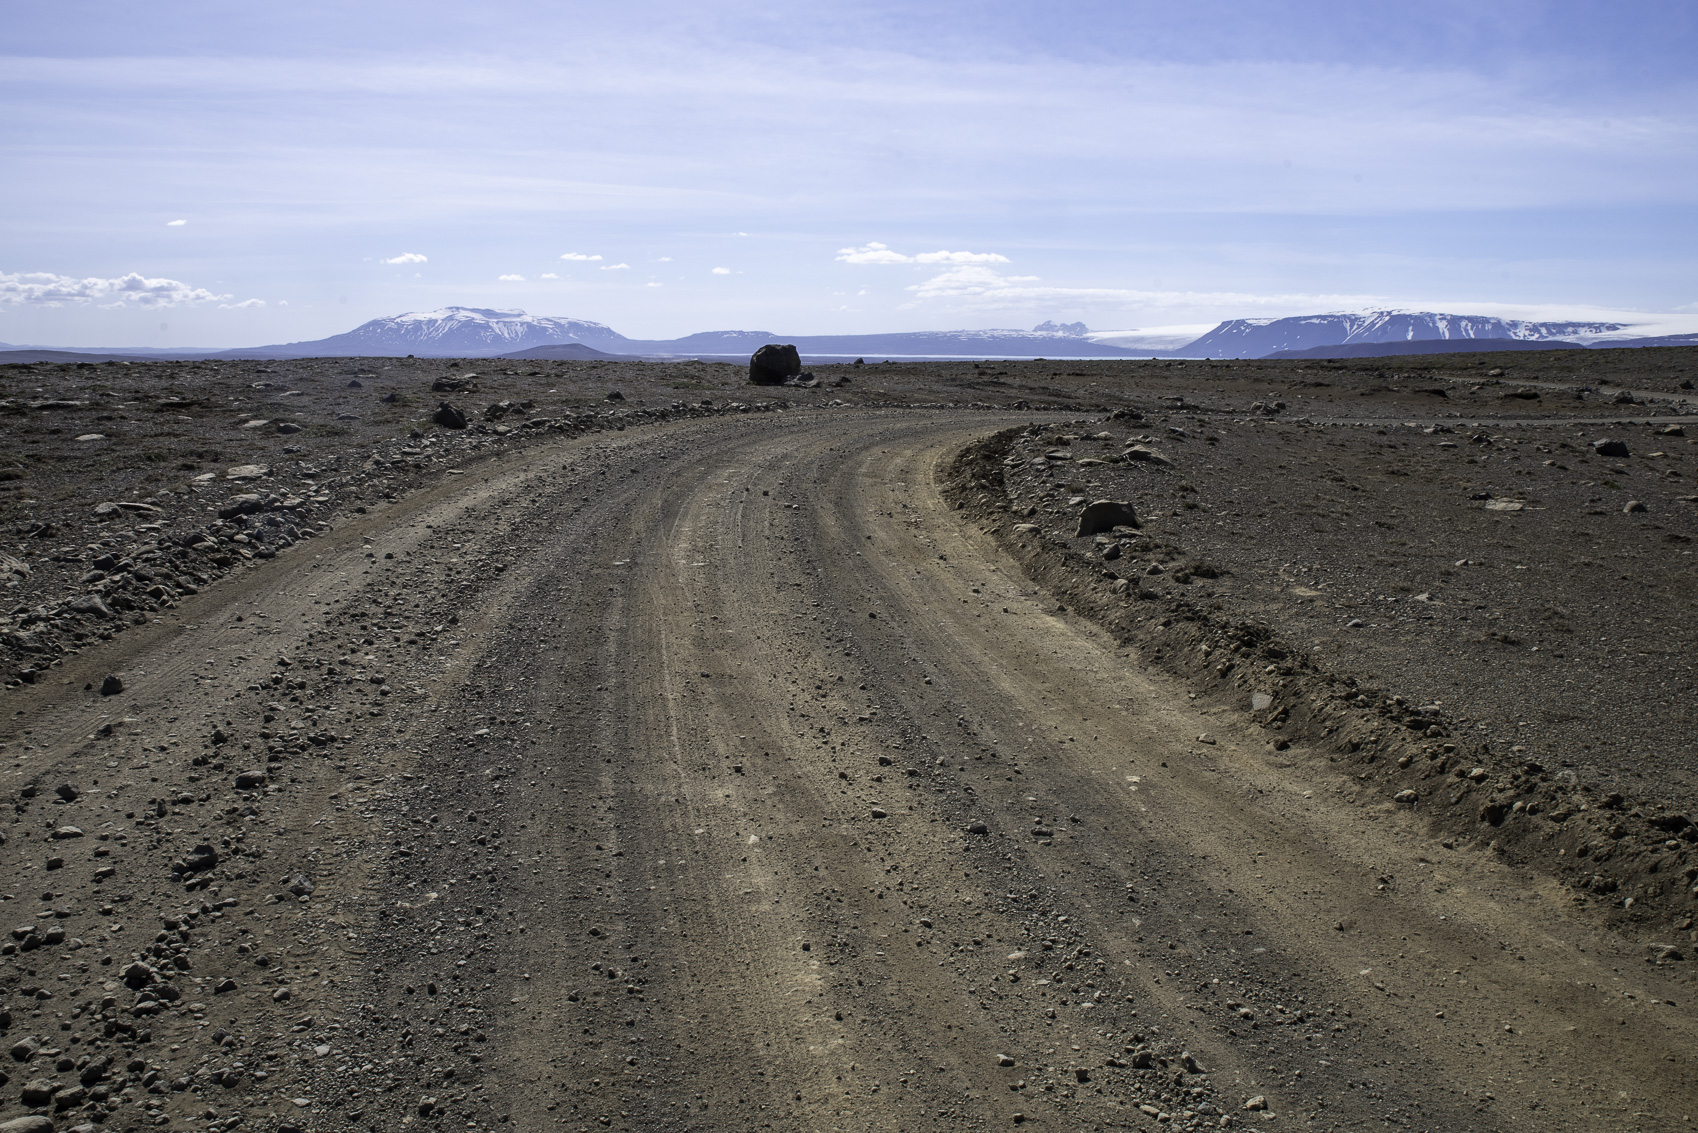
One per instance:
(220, 174)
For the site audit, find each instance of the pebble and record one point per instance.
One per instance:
(111, 685)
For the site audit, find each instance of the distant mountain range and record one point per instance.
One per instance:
(480, 332)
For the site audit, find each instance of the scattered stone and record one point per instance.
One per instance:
(1406, 796)
(34, 1123)
(978, 828)
(111, 686)
(202, 857)
(38, 1091)
(1606, 447)
(301, 885)
(1106, 515)
(448, 417)
(67, 792)
(1141, 455)
(249, 780)
(1256, 1103)
(1634, 507)
(247, 472)
(288, 427)
(880, 812)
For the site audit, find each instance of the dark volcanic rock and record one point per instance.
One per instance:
(1106, 515)
(449, 417)
(773, 365)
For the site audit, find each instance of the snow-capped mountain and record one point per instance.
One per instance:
(458, 332)
(1255, 338)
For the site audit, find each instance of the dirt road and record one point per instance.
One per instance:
(716, 776)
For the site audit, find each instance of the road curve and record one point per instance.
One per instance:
(716, 776)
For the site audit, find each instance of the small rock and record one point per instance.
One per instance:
(1605, 447)
(1144, 455)
(1205, 738)
(35, 1123)
(1406, 797)
(448, 417)
(67, 792)
(202, 857)
(111, 686)
(880, 812)
(38, 1091)
(301, 885)
(68, 832)
(1256, 1103)
(1634, 507)
(1106, 515)
(248, 780)
(287, 427)
(223, 986)
(977, 828)
(1004, 1060)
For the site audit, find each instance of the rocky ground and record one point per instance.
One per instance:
(721, 758)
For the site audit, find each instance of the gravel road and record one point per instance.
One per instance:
(716, 775)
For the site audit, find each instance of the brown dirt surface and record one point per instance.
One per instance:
(665, 765)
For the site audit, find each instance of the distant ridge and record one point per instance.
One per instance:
(1259, 338)
(1425, 346)
(488, 332)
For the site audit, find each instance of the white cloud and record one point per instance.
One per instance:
(664, 260)
(549, 275)
(175, 223)
(876, 253)
(245, 303)
(652, 285)
(511, 278)
(51, 290)
(578, 256)
(722, 271)
(407, 258)
(614, 267)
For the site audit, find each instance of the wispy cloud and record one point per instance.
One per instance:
(614, 267)
(175, 223)
(722, 271)
(876, 253)
(511, 278)
(245, 304)
(549, 275)
(408, 258)
(49, 290)
(577, 256)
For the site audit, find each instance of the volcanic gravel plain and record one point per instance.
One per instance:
(718, 757)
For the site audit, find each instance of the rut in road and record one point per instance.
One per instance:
(759, 792)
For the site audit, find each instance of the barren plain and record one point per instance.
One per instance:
(720, 758)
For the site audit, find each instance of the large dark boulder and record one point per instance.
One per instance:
(449, 417)
(773, 365)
